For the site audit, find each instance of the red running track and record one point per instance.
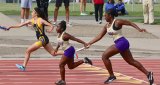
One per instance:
(46, 72)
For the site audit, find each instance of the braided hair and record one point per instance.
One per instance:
(62, 25)
(113, 12)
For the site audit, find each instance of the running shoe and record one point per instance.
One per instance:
(100, 21)
(83, 14)
(69, 24)
(60, 82)
(150, 78)
(87, 60)
(110, 79)
(20, 67)
(54, 23)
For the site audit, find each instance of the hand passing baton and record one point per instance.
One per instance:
(3, 28)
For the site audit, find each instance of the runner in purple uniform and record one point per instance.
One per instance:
(121, 44)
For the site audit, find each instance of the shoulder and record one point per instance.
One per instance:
(41, 20)
(118, 21)
(106, 26)
(66, 36)
(121, 22)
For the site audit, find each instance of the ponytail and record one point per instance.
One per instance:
(40, 13)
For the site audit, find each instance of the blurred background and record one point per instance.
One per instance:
(134, 7)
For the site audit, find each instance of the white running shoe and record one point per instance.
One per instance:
(54, 23)
(110, 79)
(22, 20)
(69, 24)
(100, 21)
(83, 14)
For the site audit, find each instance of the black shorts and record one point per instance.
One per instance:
(44, 40)
(59, 3)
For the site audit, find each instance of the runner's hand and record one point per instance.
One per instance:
(88, 45)
(55, 52)
(49, 31)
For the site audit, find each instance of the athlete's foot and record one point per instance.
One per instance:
(110, 79)
(60, 82)
(69, 24)
(83, 14)
(100, 21)
(54, 23)
(20, 67)
(87, 60)
(150, 78)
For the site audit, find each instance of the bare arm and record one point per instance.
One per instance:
(20, 25)
(57, 48)
(99, 36)
(125, 22)
(48, 24)
(68, 36)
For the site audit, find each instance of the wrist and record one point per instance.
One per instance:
(90, 43)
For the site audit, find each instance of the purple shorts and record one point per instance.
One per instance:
(122, 44)
(69, 53)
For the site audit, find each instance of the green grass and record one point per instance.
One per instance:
(135, 11)
(14, 9)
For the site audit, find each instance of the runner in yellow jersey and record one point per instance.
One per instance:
(38, 22)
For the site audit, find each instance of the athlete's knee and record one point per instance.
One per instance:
(28, 51)
(70, 67)
(67, 8)
(61, 65)
(105, 57)
(132, 62)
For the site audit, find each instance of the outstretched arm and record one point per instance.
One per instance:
(20, 25)
(125, 22)
(68, 36)
(99, 36)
